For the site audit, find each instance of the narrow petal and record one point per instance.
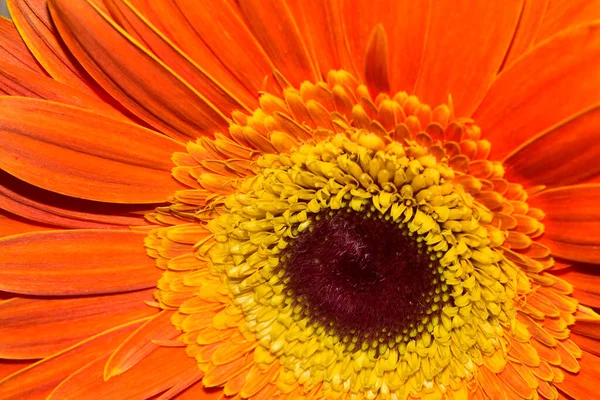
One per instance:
(18, 81)
(59, 263)
(546, 78)
(321, 22)
(140, 344)
(132, 75)
(14, 50)
(464, 63)
(276, 30)
(586, 284)
(35, 26)
(566, 14)
(376, 62)
(113, 162)
(529, 24)
(11, 224)
(198, 391)
(586, 343)
(215, 92)
(38, 328)
(39, 379)
(583, 385)
(159, 371)
(572, 222)
(560, 156)
(9, 367)
(45, 207)
(405, 24)
(240, 53)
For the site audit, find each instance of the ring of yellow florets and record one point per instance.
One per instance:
(361, 173)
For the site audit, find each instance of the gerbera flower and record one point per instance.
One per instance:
(286, 199)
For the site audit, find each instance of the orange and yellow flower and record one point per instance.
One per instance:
(299, 200)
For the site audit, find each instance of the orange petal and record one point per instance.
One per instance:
(14, 50)
(587, 326)
(586, 284)
(572, 221)
(531, 18)
(38, 380)
(132, 75)
(140, 344)
(42, 206)
(243, 60)
(75, 263)
(376, 62)
(113, 162)
(276, 30)
(11, 224)
(39, 33)
(464, 63)
(565, 14)
(38, 328)
(18, 81)
(198, 391)
(586, 343)
(560, 156)
(159, 371)
(183, 66)
(405, 24)
(320, 22)
(9, 367)
(583, 385)
(510, 114)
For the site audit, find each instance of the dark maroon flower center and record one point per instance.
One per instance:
(362, 275)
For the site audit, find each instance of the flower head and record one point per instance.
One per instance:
(283, 199)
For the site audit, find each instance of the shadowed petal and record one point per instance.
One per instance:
(132, 75)
(563, 155)
(572, 222)
(461, 61)
(39, 379)
(37, 328)
(83, 154)
(537, 91)
(76, 262)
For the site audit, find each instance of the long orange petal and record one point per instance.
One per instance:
(320, 23)
(560, 156)
(530, 21)
(549, 77)
(460, 61)
(82, 154)
(76, 262)
(14, 50)
(586, 283)
(405, 24)
(140, 344)
(39, 33)
(38, 328)
(583, 385)
(132, 75)
(572, 222)
(565, 14)
(159, 371)
(183, 66)
(275, 28)
(11, 224)
(18, 81)
(9, 367)
(239, 51)
(42, 206)
(39, 379)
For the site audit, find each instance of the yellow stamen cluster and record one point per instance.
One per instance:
(358, 171)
